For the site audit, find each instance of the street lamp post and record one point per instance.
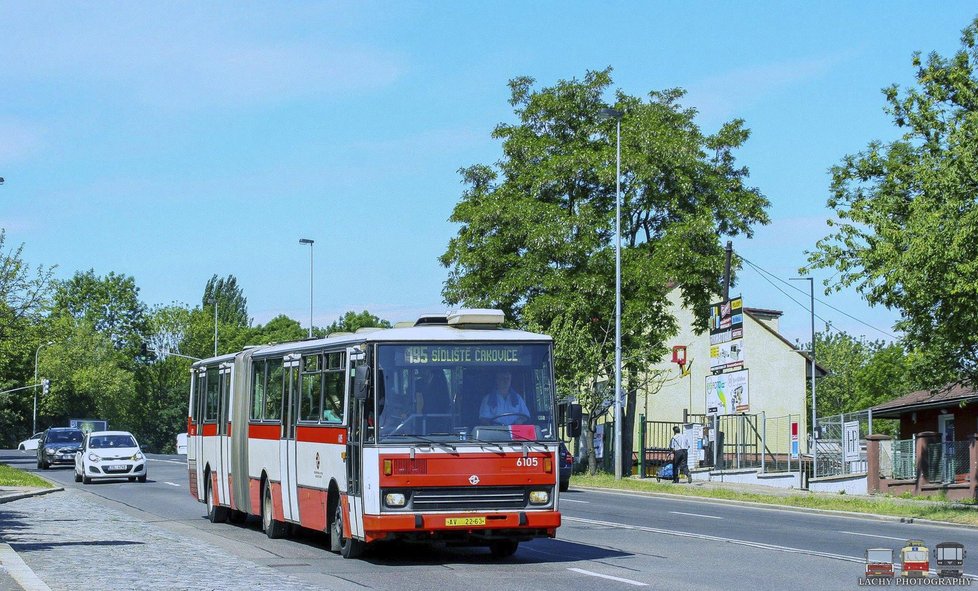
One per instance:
(616, 115)
(36, 353)
(811, 293)
(310, 243)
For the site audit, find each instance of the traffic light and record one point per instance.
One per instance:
(45, 386)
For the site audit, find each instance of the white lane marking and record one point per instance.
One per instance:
(167, 461)
(173, 484)
(619, 579)
(681, 534)
(563, 500)
(696, 515)
(855, 533)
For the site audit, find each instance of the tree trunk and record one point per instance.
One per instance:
(589, 428)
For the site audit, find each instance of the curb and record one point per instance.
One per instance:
(775, 506)
(18, 569)
(25, 494)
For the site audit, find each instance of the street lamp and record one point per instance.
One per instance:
(604, 114)
(34, 422)
(811, 292)
(310, 243)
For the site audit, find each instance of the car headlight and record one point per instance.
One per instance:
(395, 499)
(94, 458)
(137, 456)
(539, 497)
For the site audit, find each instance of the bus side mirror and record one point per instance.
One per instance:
(361, 382)
(573, 420)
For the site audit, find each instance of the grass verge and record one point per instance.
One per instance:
(14, 477)
(950, 512)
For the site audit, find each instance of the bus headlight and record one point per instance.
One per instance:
(539, 497)
(395, 499)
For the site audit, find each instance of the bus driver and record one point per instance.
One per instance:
(504, 406)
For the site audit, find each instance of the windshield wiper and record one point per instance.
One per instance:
(427, 439)
(485, 442)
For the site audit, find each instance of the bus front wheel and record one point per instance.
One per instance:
(503, 548)
(348, 547)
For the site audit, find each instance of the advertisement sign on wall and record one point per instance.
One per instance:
(727, 334)
(727, 393)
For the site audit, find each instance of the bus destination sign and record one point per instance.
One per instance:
(472, 354)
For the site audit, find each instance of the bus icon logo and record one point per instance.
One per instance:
(473, 480)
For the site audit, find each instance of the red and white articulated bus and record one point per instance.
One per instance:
(444, 431)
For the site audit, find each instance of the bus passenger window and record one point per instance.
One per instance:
(210, 403)
(273, 395)
(257, 390)
(312, 385)
(333, 397)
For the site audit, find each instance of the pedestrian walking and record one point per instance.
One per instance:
(680, 451)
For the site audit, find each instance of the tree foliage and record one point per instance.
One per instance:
(907, 230)
(351, 321)
(861, 373)
(537, 231)
(232, 305)
(110, 304)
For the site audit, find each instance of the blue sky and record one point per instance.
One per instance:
(174, 141)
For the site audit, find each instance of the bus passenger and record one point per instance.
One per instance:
(504, 405)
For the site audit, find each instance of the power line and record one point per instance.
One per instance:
(763, 272)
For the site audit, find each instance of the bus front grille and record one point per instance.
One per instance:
(466, 499)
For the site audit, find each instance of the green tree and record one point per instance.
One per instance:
(907, 230)
(536, 235)
(861, 373)
(232, 305)
(110, 304)
(351, 321)
(25, 294)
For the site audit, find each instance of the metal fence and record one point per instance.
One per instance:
(948, 462)
(727, 442)
(898, 459)
(830, 456)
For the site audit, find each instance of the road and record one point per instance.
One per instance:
(609, 540)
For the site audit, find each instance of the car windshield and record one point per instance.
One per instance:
(465, 392)
(64, 437)
(108, 441)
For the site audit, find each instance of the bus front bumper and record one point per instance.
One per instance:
(522, 525)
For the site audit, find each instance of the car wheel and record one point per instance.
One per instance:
(86, 480)
(349, 548)
(215, 513)
(503, 548)
(273, 529)
(39, 464)
(21, 447)
(141, 478)
(132, 479)
(77, 476)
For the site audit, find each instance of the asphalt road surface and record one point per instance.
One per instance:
(608, 540)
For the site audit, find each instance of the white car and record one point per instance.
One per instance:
(110, 454)
(30, 444)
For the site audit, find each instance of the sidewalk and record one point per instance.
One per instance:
(67, 540)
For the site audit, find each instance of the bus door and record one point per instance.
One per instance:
(356, 416)
(287, 445)
(195, 449)
(223, 435)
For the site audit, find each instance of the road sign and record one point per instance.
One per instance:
(794, 440)
(850, 441)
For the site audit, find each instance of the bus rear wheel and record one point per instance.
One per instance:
(273, 529)
(348, 547)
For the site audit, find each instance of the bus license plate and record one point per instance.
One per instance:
(464, 521)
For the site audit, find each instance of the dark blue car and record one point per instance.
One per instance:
(566, 463)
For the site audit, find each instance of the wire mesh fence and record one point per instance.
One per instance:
(898, 459)
(948, 462)
(840, 446)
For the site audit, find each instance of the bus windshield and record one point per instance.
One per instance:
(465, 392)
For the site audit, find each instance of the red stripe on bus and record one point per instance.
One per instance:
(264, 431)
(312, 508)
(319, 434)
(208, 429)
(345, 504)
(490, 469)
(278, 513)
(254, 491)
